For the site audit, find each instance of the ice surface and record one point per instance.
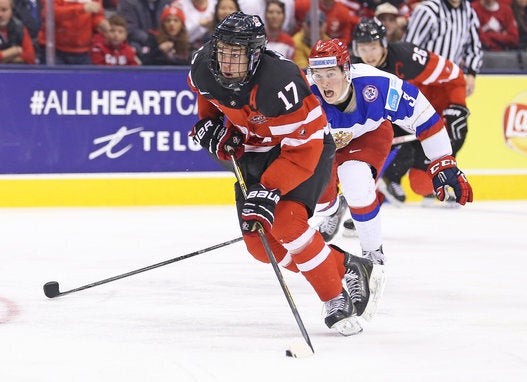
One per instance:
(454, 309)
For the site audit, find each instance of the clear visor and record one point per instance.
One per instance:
(319, 76)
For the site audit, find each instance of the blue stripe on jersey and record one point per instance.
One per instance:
(425, 126)
(380, 96)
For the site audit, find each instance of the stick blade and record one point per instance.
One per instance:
(51, 289)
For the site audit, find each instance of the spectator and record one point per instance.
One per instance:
(302, 39)
(448, 28)
(340, 22)
(114, 50)
(359, 8)
(29, 12)
(388, 15)
(198, 15)
(498, 30)
(75, 23)
(258, 7)
(277, 39)
(141, 16)
(222, 9)
(519, 8)
(402, 6)
(168, 45)
(15, 42)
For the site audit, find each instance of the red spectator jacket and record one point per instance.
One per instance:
(102, 53)
(16, 34)
(340, 21)
(74, 28)
(497, 29)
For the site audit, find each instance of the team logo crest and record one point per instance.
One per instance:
(257, 119)
(370, 93)
(342, 138)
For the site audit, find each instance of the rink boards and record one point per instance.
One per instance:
(187, 191)
(90, 137)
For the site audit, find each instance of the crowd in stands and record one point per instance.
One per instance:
(167, 32)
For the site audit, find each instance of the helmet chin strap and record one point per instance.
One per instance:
(345, 94)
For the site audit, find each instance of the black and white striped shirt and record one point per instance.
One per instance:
(450, 32)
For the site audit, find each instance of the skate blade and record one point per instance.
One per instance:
(348, 326)
(377, 283)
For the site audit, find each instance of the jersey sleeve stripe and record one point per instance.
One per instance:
(454, 74)
(319, 134)
(440, 66)
(291, 127)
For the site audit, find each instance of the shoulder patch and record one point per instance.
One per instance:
(392, 101)
(370, 93)
(393, 98)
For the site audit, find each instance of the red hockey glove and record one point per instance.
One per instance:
(217, 139)
(259, 208)
(444, 172)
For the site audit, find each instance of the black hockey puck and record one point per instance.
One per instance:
(51, 289)
(288, 353)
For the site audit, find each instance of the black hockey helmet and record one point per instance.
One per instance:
(369, 30)
(243, 30)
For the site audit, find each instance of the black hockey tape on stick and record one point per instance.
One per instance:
(270, 255)
(51, 288)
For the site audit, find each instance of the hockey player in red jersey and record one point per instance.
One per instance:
(361, 103)
(261, 105)
(439, 79)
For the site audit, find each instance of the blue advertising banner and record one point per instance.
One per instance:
(98, 120)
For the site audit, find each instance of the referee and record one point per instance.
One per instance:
(448, 28)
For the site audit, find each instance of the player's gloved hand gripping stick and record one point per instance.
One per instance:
(444, 172)
(212, 135)
(263, 201)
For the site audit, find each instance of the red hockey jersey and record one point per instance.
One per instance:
(275, 108)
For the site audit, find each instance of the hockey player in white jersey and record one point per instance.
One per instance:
(361, 103)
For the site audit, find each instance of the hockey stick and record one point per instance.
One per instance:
(278, 273)
(51, 288)
(397, 141)
(404, 139)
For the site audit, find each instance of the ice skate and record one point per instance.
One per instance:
(396, 191)
(340, 315)
(393, 192)
(330, 225)
(365, 282)
(376, 256)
